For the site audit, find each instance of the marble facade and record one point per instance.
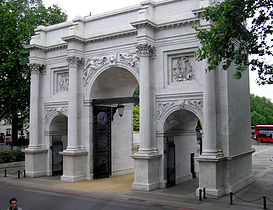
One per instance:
(107, 56)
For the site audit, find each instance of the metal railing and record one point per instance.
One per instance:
(203, 195)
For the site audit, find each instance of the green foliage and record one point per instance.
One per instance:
(227, 40)
(261, 110)
(18, 20)
(8, 156)
(136, 117)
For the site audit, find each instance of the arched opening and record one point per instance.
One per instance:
(181, 145)
(58, 142)
(112, 134)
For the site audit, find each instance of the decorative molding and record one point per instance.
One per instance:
(162, 107)
(145, 49)
(183, 70)
(196, 103)
(75, 61)
(36, 67)
(61, 110)
(94, 64)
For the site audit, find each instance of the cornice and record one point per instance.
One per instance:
(73, 38)
(112, 35)
(144, 23)
(173, 24)
(47, 49)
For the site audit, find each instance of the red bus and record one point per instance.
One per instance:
(264, 133)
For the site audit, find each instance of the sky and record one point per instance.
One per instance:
(85, 7)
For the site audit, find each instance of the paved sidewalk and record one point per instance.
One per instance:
(181, 196)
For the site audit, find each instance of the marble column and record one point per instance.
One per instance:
(35, 155)
(145, 50)
(210, 143)
(146, 160)
(74, 63)
(36, 69)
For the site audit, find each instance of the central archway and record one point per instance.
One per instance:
(117, 137)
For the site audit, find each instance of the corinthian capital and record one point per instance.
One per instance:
(36, 67)
(145, 49)
(75, 61)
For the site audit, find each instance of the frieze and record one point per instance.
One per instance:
(183, 70)
(36, 67)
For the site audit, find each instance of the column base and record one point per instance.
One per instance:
(222, 175)
(74, 165)
(146, 168)
(35, 162)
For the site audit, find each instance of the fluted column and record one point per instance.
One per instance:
(35, 69)
(210, 144)
(74, 63)
(145, 50)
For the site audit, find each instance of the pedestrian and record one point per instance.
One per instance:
(13, 204)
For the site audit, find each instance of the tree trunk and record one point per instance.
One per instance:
(14, 129)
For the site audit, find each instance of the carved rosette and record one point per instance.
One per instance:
(94, 64)
(162, 107)
(145, 49)
(50, 112)
(75, 61)
(183, 70)
(36, 67)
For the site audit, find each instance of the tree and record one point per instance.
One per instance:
(18, 20)
(227, 40)
(261, 110)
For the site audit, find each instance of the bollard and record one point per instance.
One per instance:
(264, 199)
(18, 174)
(200, 194)
(204, 193)
(5, 173)
(24, 173)
(230, 198)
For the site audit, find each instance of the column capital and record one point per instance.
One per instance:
(36, 68)
(75, 61)
(145, 49)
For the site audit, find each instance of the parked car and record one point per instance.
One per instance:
(9, 140)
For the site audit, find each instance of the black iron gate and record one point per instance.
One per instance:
(57, 159)
(102, 141)
(170, 153)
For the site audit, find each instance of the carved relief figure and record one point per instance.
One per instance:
(92, 64)
(130, 58)
(183, 71)
(63, 82)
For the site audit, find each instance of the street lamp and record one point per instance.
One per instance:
(120, 108)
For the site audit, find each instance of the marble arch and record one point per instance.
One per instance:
(155, 42)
